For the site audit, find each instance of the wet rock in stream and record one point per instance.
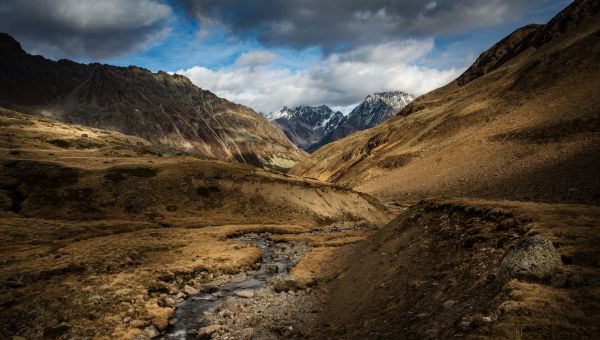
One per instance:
(246, 304)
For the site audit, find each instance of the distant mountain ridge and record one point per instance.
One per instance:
(160, 107)
(311, 127)
(306, 125)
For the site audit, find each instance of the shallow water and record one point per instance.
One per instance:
(189, 313)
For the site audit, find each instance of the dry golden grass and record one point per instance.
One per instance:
(96, 225)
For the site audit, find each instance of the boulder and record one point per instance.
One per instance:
(533, 259)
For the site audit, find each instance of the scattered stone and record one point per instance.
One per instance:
(181, 295)
(271, 268)
(245, 293)
(507, 306)
(241, 277)
(534, 258)
(172, 321)
(190, 290)
(219, 294)
(151, 331)
(286, 283)
(126, 319)
(248, 333)
(422, 315)
(487, 319)
(208, 330)
(448, 304)
(226, 313)
(166, 302)
(138, 323)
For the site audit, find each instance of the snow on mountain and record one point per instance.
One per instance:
(311, 127)
(305, 125)
(378, 107)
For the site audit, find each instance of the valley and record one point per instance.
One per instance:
(137, 205)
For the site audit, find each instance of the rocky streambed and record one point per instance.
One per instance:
(263, 302)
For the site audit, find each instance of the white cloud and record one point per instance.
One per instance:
(339, 80)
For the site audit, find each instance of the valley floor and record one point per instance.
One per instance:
(435, 271)
(105, 235)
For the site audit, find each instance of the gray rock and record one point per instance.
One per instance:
(286, 283)
(271, 268)
(166, 302)
(533, 259)
(208, 330)
(245, 293)
(241, 277)
(190, 290)
(151, 331)
(138, 323)
(448, 304)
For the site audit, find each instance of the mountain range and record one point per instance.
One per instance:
(160, 107)
(311, 127)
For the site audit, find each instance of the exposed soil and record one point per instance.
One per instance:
(442, 269)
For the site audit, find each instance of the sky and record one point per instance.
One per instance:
(267, 54)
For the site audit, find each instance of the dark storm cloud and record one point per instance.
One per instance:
(340, 24)
(84, 28)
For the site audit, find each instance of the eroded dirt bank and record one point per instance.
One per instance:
(470, 268)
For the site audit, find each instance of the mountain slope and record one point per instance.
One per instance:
(160, 107)
(312, 127)
(522, 123)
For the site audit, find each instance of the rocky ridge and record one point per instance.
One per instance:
(311, 127)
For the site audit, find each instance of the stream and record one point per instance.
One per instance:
(190, 312)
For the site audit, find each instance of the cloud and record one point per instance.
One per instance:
(85, 28)
(337, 25)
(339, 79)
(255, 58)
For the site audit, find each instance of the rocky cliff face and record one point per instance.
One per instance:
(307, 125)
(374, 110)
(160, 107)
(377, 108)
(312, 127)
